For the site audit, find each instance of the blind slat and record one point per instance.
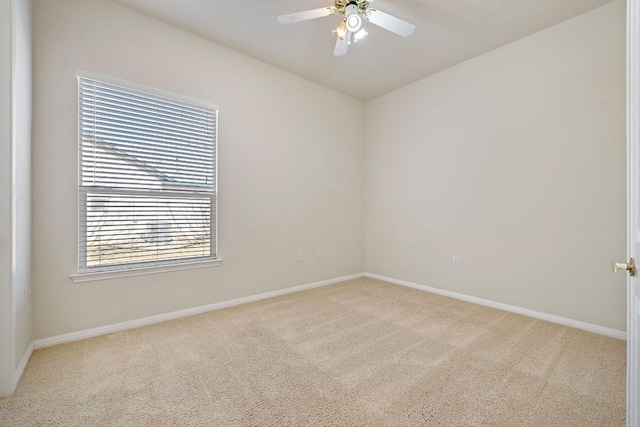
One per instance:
(148, 151)
(135, 116)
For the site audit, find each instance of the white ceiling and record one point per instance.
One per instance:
(448, 32)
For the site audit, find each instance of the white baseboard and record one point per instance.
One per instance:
(94, 332)
(117, 327)
(614, 333)
(17, 375)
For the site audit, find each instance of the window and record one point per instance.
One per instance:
(147, 177)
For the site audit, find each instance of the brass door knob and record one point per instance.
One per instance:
(630, 266)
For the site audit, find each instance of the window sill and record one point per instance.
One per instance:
(115, 274)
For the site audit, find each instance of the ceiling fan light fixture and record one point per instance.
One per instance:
(354, 22)
(359, 35)
(341, 30)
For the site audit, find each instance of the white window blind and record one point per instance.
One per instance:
(147, 178)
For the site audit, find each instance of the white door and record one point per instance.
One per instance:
(633, 196)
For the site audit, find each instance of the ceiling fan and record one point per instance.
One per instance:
(350, 28)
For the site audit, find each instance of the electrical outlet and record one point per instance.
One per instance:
(299, 256)
(319, 254)
(456, 261)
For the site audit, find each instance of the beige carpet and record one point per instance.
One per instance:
(358, 353)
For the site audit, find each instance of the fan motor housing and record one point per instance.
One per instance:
(341, 5)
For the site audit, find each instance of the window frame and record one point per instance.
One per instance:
(86, 273)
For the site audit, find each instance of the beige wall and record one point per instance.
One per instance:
(290, 178)
(514, 161)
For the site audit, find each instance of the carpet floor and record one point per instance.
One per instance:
(357, 353)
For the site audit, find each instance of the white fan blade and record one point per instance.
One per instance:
(342, 46)
(389, 22)
(309, 14)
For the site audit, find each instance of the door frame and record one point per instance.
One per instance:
(633, 188)
(7, 340)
